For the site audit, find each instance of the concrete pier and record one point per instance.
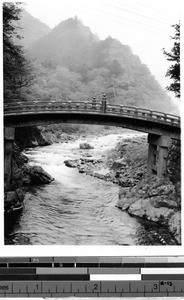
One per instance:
(157, 154)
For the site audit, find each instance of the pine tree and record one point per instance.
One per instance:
(16, 69)
(174, 56)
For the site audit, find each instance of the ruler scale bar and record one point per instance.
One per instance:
(39, 287)
(91, 276)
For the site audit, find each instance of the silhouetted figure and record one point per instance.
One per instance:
(104, 103)
(94, 102)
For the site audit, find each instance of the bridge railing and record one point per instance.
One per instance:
(90, 107)
(142, 113)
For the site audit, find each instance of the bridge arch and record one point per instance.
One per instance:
(161, 127)
(27, 114)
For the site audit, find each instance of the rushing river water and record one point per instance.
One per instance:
(77, 209)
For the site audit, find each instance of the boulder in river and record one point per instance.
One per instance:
(13, 201)
(86, 155)
(85, 146)
(119, 163)
(35, 175)
(144, 209)
(71, 163)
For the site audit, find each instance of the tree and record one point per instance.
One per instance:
(17, 70)
(174, 55)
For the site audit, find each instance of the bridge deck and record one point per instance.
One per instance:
(122, 115)
(139, 113)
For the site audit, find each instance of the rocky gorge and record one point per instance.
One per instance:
(142, 196)
(152, 199)
(21, 173)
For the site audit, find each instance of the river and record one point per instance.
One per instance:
(77, 209)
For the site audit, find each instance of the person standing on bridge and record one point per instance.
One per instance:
(94, 102)
(104, 103)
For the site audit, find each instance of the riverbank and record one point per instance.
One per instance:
(149, 198)
(76, 209)
(22, 174)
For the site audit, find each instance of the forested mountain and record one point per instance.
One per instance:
(72, 63)
(70, 44)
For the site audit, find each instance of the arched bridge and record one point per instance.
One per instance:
(26, 114)
(161, 127)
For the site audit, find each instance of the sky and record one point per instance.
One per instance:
(144, 25)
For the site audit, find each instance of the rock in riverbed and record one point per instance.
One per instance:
(35, 175)
(13, 201)
(85, 146)
(72, 163)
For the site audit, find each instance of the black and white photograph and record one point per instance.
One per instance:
(92, 129)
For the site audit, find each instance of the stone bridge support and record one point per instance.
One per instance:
(9, 134)
(157, 154)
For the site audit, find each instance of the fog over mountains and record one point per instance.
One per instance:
(31, 29)
(72, 63)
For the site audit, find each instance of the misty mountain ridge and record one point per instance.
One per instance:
(69, 44)
(30, 28)
(74, 64)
